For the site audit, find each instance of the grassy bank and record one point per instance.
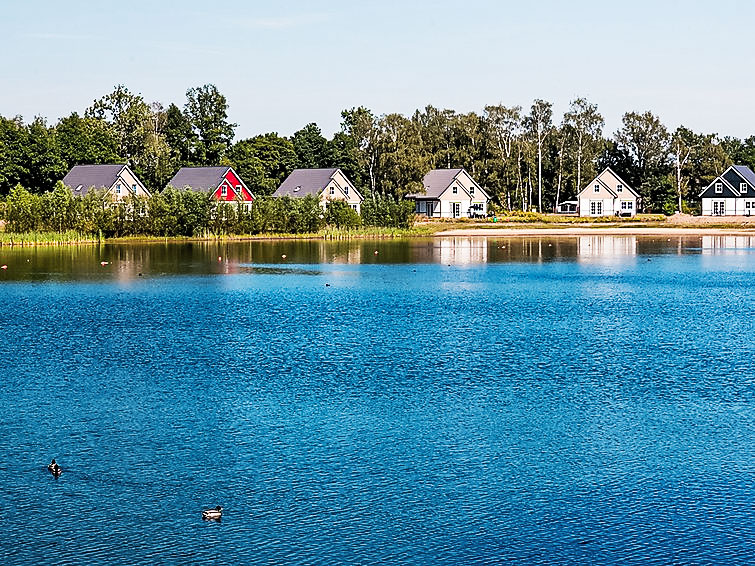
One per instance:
(46, 238)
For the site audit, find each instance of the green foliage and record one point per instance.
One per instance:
(207, 112)
(339, 214)
(387, 212)
(263, 162)
(310, 147)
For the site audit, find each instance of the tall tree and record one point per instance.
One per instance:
(361, 125)
(644, 138)
(310, 147)
(207, 112)
(402, 163)
(539, 125)
(503, 127)
(178, 136)
(584, 126)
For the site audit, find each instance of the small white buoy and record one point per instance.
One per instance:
(3, 267)
(284, 256)
(376, 252)
(103, 263)
(220, 258)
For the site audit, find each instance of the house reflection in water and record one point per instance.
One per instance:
(735, 245)
(606, 248)
(460, 250)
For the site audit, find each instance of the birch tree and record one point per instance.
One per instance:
(538, 123)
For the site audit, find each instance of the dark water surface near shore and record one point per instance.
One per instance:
(579, 400)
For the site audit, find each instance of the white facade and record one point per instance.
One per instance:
(607, 195)
(340, 188)
(462, 198)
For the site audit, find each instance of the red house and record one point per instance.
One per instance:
(222, 182)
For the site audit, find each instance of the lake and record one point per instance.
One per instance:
(580, 400)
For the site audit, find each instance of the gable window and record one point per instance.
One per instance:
(346, 191)
(133, 188)
(238, 189)
(332, 190)
(719, 187)
(455, 190)
(597, 188)
(619, 188)
(224, 191)
(471, 191)
(118, 189)
(743, 187)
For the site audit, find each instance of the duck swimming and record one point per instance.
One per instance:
(212, 514)
(54, 468)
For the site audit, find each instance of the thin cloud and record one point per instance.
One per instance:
(280, 23)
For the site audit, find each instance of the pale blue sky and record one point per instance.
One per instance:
(283, 64)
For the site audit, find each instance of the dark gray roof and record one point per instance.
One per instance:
(746, 173)
(203, 179)
(91, 176)
(303, 182)
(436, 181)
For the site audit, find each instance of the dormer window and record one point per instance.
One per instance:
(78, 189)
(743, 187)
(455, 190)
(597, 188)
(619, 188)
(719, 187)
(297, 188)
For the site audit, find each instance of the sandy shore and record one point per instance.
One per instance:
(597, 231)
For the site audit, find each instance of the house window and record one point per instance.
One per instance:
(471, 191)
(743, 187)
(455, 190)
(118, 189)
(332, 190)
(747, 204)
(346, 191)
(619, 188)
(224, 191)
(238, 189)
(719, 187)
(297, 188)
(626, 205)
(597, 188)
(133, 188)
(353, 206)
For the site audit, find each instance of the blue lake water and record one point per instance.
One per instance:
(584, 400)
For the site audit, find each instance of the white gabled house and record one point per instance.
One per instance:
(116, 181)
(607, 195)
(730, 194)
(451, 193)
(326, 184)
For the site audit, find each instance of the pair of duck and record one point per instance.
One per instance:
(208, 514)
(54, 468)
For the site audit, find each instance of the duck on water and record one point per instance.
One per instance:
(54, 468)
(213, 514)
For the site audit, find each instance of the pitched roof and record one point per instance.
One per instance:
(203, 179)
(746, 173)
(303, 182)
(91, 176)
(437, 181)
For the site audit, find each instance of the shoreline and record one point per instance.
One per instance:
(596, 231)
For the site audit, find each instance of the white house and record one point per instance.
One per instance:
(451, 193)
(730, 194)
(327, 184)
(117, 181)
(607, 195)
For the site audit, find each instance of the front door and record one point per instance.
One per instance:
(719, 207)
(596, 208)
(429, 208)
(455, 209)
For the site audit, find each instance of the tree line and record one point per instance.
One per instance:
(525, 158)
